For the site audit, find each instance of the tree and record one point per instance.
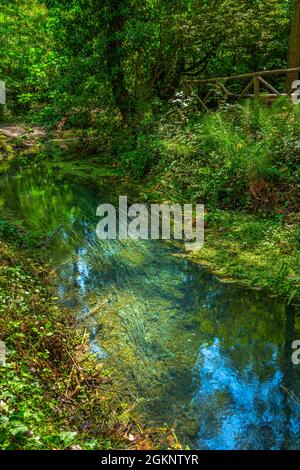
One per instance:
(117, 13)
(294, 44)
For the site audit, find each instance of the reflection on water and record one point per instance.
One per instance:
(251, 403)
(211, 359)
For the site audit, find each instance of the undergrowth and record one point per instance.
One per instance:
(52, 390)
(54, 393)
(241, 157)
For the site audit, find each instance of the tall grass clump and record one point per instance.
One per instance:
(243, 156)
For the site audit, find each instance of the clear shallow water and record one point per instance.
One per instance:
(211, 359)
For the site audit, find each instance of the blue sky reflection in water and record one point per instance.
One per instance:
(211, 359)
(254, 415)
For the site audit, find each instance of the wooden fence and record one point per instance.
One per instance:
(257, 81)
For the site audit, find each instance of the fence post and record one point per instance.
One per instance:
(256, 87)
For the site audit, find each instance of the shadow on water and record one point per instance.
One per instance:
(211, 359)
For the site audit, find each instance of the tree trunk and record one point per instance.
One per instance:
(294, 45)
(114, 55)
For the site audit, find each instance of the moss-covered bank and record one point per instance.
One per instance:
(254, 252)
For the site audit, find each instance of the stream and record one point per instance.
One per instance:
(210, 359)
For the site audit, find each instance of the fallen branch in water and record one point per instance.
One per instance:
(291, 394)
(53, 235)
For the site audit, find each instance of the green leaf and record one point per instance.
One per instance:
(18, 428)
(67, 437)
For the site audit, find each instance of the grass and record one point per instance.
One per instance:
(86, 169)
(255, 252)
(53, 392)
(243, 157)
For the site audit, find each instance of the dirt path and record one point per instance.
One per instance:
(23, 134)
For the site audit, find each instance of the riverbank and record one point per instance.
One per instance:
(53, 391)
(20, 141)
(253, 252)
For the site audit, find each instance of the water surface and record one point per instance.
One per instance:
(211, 359)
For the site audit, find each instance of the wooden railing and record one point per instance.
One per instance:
(256, 82)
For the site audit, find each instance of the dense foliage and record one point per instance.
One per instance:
(50, 385)
(130, 56)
